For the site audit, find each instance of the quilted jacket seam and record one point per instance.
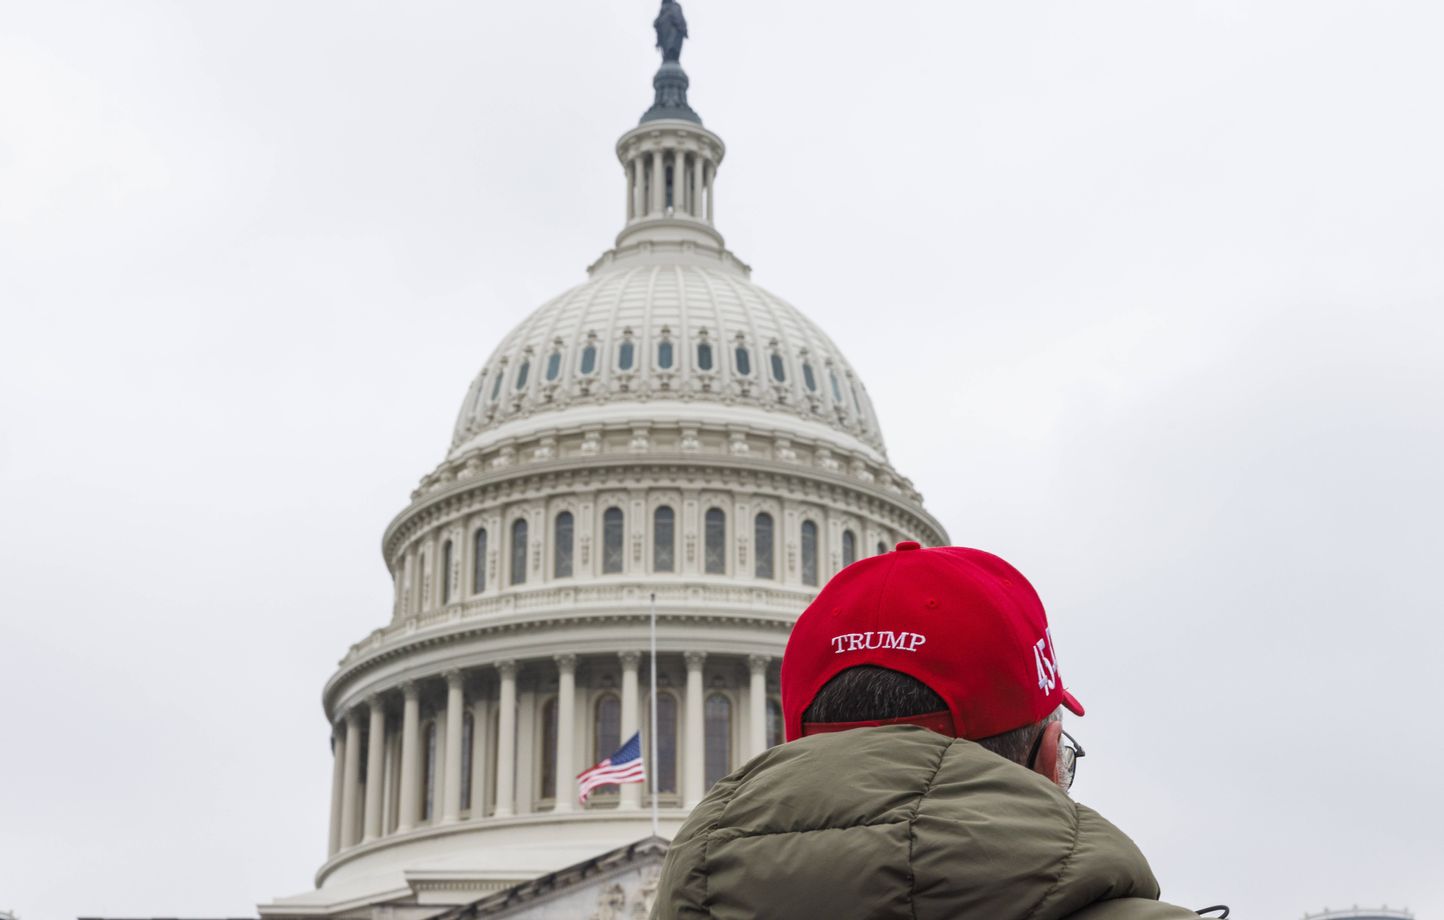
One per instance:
(912, 832)
(1062, 864)
(707, 850)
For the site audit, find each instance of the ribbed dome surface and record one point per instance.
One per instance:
(668, 331)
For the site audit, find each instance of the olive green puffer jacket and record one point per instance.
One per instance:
(900, 822)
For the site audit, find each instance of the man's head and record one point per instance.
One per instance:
(952, 639)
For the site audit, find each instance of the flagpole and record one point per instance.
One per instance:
(656, 826)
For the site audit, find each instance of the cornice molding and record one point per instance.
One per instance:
(356, 670)
(640, 818)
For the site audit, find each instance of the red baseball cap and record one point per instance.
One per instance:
(962, 621)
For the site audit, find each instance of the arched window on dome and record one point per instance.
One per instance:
(549, 749)
(468, 736)
(744, 360)
(589, 360)
(664, 539)
(714, 551)
(445, 573)
(478, 561)
(881, 548)
(664, 355)
(849, 548)
(809, 553)
(779, 371)
(496, 382)
(666, 769)
(518, 551)
(563, 538)
(613, 554)
(428, 772)
(809, 379)
(607, 732)
(626, 355)
(521, 373)
(762, 546)
(554, 365)
(836, 387)
(717, 757)
(775, 734)
(704, 356)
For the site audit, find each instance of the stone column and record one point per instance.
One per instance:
(410, 758)
(392, 755)
(631, 170)
(375, 767)
(711, 181)
(506, 740)
(451, 788)
(566, 766)
(350, 779)
(757, 702)
(631, 793)
(698, 164)
(338, 786)
(480, 731)
(694, 748)
(659, 185)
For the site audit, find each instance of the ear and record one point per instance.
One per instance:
(1046, 763)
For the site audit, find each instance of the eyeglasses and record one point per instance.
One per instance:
(1069, 753)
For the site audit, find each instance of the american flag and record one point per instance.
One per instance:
(624, 766)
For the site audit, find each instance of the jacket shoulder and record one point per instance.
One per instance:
(1132, 909)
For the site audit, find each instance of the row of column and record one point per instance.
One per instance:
(692, 180)
(357, 810)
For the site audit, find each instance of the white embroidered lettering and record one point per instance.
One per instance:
(1047, 668)
(877, 639)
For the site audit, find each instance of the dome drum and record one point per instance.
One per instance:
(719, 707)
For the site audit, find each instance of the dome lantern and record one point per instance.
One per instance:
(670, 161)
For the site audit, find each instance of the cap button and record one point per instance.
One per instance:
(909, 544)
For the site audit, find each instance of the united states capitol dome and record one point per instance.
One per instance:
(649, 479)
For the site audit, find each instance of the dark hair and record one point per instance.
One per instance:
(866, 692)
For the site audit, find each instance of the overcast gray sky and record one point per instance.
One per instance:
(1148, 296)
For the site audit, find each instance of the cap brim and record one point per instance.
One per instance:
(1072, 703)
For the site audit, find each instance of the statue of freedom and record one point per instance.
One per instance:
(671, 28)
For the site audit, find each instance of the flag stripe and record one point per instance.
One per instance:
(624, 766)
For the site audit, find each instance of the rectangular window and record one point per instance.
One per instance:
(664, 540)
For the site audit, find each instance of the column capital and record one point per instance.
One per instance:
(758, 663)
(567, 663)
(507, 667)
(375, 701)
(630, 660)
(410, 690)
(453, 677)
(694, 660)
(353, 718)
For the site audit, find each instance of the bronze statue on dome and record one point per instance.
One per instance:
(671, 28)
